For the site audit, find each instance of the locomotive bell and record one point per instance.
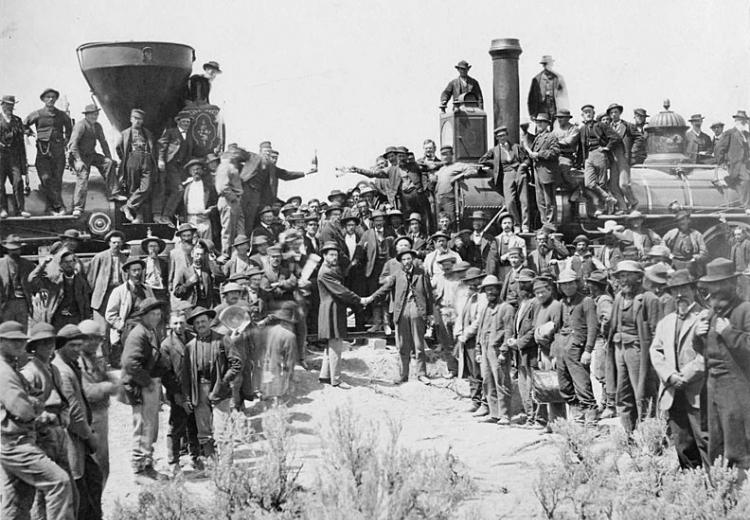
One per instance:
(666, 138)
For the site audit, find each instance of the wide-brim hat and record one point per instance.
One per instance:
(194, 162)
(115, 233)
(563, 112)
(473, 273)
(133, 261)
(265, 209)
(405, 251)
(231, 287)
(717, 124)
(628, 266)
(394, 213)
(415, 216)
(446, 257)
(719, 269)
(239, 240)
(90, 109)
(439, 234)
(389, 150)
(598, 277)
(259, 240)
(333, 207)
(613, 106)
(741, 114)
(350, 216)
(200, 311)
(526, 275)
(70, 234)
(148, 305)
(214, 65)
(463, 64)
(12, 242)
(376, 213)
(567, 275)
(69, 332)
(12, 330)
(366, 189)
(41, 332)
(542, 117)
(680, 278)
(546, 59)
(9, 100)
(185, 227)
(329, 246)
(334, 194)
(610, 226)
(47, 91)
(581, 238)
(659, 250)
(696, 117)
(404, 237)
(490, 281)
(287, 208)
(145, 241)
(657, 273)
(294, 197)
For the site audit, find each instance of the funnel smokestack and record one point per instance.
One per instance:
(505, 87)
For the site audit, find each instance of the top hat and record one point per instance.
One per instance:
(719, 269)
(214, 65)
(463, 64)
(90, 109)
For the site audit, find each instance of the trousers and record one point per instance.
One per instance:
(169, 190)
(11, 170)
(90, 488)
(545, 202)
(729, 418)
(410, 331)
(138, 170)
(473, 372)
(595, 173)
(516, 197)
(688, 431)
(146, 426)
(628, 366)
(50, 165)
(496, 382)
(25, 470)
(331, 367)
(574, 378)
(232, 220)
(106, 167)
(619, 178)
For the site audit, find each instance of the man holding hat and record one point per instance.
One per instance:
(125, 299)
(509, 169)
(463, 85)
(137, 152)
(15, 290)
(174, 151)
(83, 445)
(26, 469)
(53, 129)
(722, 338)
(629, 370)
(732, 152)
(86, 133)
(688, 248)
(698, 145)
(68, 297)
(545, 152)
(13, 162)
(682, 373)
(597, 142)
(547, 91)
(144, 370)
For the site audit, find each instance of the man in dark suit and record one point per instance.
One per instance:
(377, 248)
(462, 85)
(264, 227)
(546, 90)
(544, 152)
(698, 145)
(194, 284)
(62, 299)
(13, 162)
(732, 152)
(509, 166)
(479, 242)
(619, 171)
(412, 309)
(86, 133)
(331, 231)
(335, 297)
(137, 152)
(596, 142)
(312, 222)
(174, 152)
(15, 290)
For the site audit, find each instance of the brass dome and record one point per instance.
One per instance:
(666, 119)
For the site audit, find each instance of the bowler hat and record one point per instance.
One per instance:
(439, 234)
(478, 215)
(69, 332)
(137, 112)
(185, 227)
(473, 273)
(490, 281)
(12, 330)
(526, 275)
(9, 100)
(336, 193)
(145, 241)
(741, 114)
(500, 129)
(415, 217)
(91, 328)
(679, 278)
(200, 311)
(12, 242)
(47, 91)
(640, 112)
(563, 112)
(231, 287)
(628, 266)
(657, 273)
(598, 277)
(214, 65)
(613, 106)
(133, 261)
(567, 275)
(546, 59)
(542, 117)
(90, 109)
(115, 233)
(239, 240)
(463, 64)
(390, 150)
(696, 117)
(717, 124)
(148, 305)
(70, 234)
(405, 251)
(719, 269)
(194, 162)
(404, 237)
(183, 114)
(265, 209)
(41, 332)
(352, 215)
(329, 246)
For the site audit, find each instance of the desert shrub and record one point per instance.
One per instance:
(163, 501)
(633, 478)
(367, 474)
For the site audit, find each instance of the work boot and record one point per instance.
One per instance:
(128, 213)
(424, 380)
(149, 473)
(519, 418)
(481, 411)
(474, 407)
(503, 421)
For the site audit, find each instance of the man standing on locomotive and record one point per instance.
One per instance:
(137, 153)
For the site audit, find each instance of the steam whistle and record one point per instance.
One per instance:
(314, 163)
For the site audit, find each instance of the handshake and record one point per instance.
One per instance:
(366, 301)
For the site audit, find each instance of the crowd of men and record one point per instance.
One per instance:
(642, 325)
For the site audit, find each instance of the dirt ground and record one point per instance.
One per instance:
(501, 460)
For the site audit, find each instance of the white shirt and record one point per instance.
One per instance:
(351, 244)
(195, 204)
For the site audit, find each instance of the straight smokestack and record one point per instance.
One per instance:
(505, 86)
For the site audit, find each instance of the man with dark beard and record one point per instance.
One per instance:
(723, 335)
(629, 369)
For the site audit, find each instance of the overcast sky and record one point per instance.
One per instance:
(350, 78)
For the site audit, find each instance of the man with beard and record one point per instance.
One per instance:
(469, 311)
(682, 374)
(515, 257)
(597, 285)
(543, 258)
(686, 244)
(723, 338)
(194, 285)
(732, 152)
(548, 321)
(698, 145)
(63, 299)
(180, 255)
(498, 262)
(629, 371)
(545, 152)
(479, 242)
(331, 231)
(643, 238)
(576, 339)
(377, 248)
(15, 291)
(53, 129)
